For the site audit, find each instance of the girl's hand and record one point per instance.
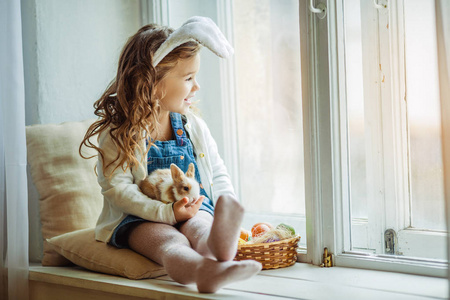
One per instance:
(184, 211)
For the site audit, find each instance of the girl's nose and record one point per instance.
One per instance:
(196, 86)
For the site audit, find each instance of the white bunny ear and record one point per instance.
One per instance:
(177, 174)
(200, 29)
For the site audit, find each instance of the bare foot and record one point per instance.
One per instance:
(212, 275)
(227, 214)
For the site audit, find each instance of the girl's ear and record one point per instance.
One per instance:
(191, 171)
(160, 89)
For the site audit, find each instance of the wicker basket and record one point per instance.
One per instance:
(272, 255)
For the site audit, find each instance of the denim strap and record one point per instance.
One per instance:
(178, 128)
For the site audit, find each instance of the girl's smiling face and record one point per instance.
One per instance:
(179, 86)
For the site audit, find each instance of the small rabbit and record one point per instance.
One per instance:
(171, 185)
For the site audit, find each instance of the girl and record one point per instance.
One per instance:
(145, 124)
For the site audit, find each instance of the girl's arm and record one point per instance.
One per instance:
(120, 189)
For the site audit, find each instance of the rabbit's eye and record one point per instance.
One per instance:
(186, 188)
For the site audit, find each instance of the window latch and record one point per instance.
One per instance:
(321, 9)
(327, 259)
(390, 242)
(377, 5)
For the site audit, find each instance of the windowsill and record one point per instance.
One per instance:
(302, 280)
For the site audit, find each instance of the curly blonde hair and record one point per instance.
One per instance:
(129, 106)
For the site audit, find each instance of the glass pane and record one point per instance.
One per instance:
(269, 106)
(355, 104)
(356, 125)
(424, 117)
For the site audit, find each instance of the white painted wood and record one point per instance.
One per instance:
(227, 82)
(145, 12)
(387, 153)
(313, 253)
(395, 133)
(392, 263)
(306, 289)
(401, 218)
(335, 226)
(155, 11)
(301, 281)
(372, 124)
(393, 162)
(423, 244)
(158, 288)
(389, 141)
(374, 280)
(340, 140)
(443, 41)
(360, 234)
(324, 89)
(310, 93)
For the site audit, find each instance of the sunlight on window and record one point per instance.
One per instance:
(267, 48)
(394, 138)
(355, 104)
(424, 118)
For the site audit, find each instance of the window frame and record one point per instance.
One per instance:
(228, 91)
(443, 44)
(329, 187)
(326, 189)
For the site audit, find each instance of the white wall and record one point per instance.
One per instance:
(71, 50)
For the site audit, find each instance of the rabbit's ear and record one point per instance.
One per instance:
(177, 174)
(191, 171)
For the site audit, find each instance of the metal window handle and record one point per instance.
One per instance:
(378, 6)
(321, 9)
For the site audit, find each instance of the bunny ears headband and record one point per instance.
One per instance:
(199, 29)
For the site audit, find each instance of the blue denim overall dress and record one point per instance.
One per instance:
(178, 151)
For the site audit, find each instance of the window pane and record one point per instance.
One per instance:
(356, 125)
(269, 107)
(393, 134)
(355, 104)
(424, 117)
